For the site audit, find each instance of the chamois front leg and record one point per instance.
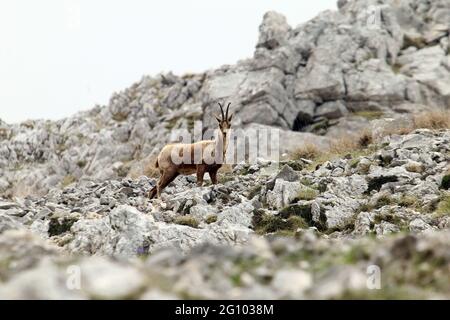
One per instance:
(201, 169)
(213, 176)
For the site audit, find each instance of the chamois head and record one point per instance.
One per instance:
(225, 120)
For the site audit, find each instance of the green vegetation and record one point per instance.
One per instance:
(369, 114)
(58, 226)
(396, 67)
(307, 151)
(171, 124)
(241, 266)
(352, 147)
(307, 194)
(187, 220)
(390, 217)
(211, 219)
(379, 203)
(408, 201)
(445, 183)
(377, 183)
(120, 116)
(124, 169)
(295, 165)
(443, 207)
(306, 182)
(354, 163)
(254, 191)
(382, 201)
(81, 163)
(223, 178)
(67, 180)
(264, 223)
(303, 211)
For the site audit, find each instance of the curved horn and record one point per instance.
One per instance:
(228, 106)
(221, 110)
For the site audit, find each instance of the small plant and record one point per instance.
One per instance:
(354, 163)
(67, 180)
(306, 151)
(150, 169)
(123, 170)
(434, 120)
(396, 67)
(301, 210)
(256, 190)
(307, 194)
(58, 226)
(382, 201)
(445, 183)
(365, 139)
(414, 167)
(211, 219)
(224, 178)
(350, 144)
(439, 119)
(407, 201)
(171, 123)
(377, 182)
(266, 223)
(187, 220)
(369, 114)
(81, 163)
(306, 182)
(120, 116)
(366, 207)
(443, 207)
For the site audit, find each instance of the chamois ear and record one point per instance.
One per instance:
(231, 117)
(217, 118)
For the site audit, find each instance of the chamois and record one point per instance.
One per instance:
(199, 157)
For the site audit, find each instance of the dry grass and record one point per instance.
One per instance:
(226, 168)
(434, 120)
(369, 114)
(308, 151)
(439, 119)
(352, 143)
(187, 220)
(307, 194)
(68, 180)
(443, 206)
(400, 131)
(150, 169)
(361, 143)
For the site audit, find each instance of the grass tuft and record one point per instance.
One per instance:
(443, 207)
(187, 220)
(211, 219)
(264, 223)
(307, 194)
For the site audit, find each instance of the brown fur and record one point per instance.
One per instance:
(207, 164)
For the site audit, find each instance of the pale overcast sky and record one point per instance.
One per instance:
(61, 56)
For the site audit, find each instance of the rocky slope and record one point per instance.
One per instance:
(73, 192)
(264, 232)
(328, 76)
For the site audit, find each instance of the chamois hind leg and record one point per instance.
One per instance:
(167, 177)
(201, 169)
(152, 192)
(213, 176)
